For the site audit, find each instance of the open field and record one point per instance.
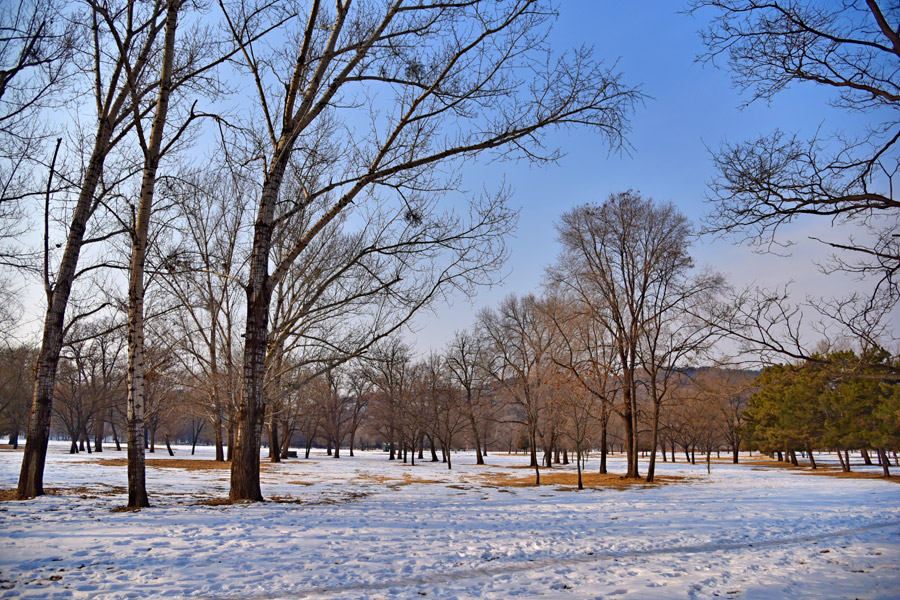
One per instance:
(366, 528)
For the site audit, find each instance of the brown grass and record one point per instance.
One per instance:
(407, 479)
(84, 492)
(570, 480)
(168, 463)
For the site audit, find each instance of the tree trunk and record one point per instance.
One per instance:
(604, 450)
(844, 466)
(286, 435)
(99, 427)
(735, 452)
(534, 462)
(137, 490)
(812, 459)
(865, 456)
(793, 457)
(479, 457)
(217, 435)
(628, 419)
(882, 454)
(654, 442)
(274, 444)
(578, 460)
(230, 450)
(168, 445)
(31, 475)
(115, 435)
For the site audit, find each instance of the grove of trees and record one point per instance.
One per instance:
(235, 209)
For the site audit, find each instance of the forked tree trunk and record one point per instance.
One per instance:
(844, 467)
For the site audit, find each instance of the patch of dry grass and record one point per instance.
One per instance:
(569, 480)
(84, 493)
(168, 463)
(406, 479)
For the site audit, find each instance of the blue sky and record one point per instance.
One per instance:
(691, 107)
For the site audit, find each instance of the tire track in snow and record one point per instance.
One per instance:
(533, 564)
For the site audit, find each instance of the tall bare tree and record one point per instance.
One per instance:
(621, 259)
(105, 46)
(443, 82)
(465, 359)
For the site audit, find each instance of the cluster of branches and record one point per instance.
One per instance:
(842, 178)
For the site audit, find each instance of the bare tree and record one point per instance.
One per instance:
(389, 369)
(206, 265)
(465, 360)
(444, 81)
(520, 342)
(448, 406)
(113, 88)
(585, 351)
(622, 261)
(853, 49)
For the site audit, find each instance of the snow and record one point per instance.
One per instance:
(364, 527)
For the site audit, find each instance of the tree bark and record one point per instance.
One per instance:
(812, 459)
(882, 453)
(865, 456)
(137, 486)
(654, 442)
(31, 475)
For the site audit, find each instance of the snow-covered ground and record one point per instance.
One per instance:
(365, 528)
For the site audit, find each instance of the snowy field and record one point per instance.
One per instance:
(366, 528)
